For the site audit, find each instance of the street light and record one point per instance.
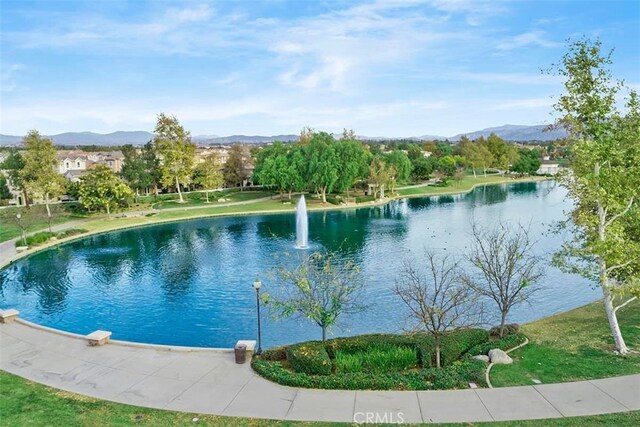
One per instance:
(24, 237)
(256, 286)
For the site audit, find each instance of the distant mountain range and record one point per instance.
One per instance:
(518, 133)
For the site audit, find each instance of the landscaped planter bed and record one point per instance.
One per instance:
(382, 361)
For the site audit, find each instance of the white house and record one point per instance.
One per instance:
(548, 168)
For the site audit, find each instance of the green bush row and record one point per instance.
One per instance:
(457, 375)
(44, 236)
(506, 343)
(309, 358)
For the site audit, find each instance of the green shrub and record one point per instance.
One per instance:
(377, 359)
(333, 199)
(71, 232)
(36, 239)
(509, 329)
(364, 199)
(457, 343)
(458, 375)
(505, 343)
(309, 358)
(277, 353)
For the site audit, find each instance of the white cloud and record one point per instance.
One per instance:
(535, 38)
(196, 14)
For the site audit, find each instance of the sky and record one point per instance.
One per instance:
(382, 68)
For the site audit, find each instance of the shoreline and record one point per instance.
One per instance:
(146, 221)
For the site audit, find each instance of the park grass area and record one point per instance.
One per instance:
(24, 403)
(572, 346)
(35, 220)
(199, 199)
(466, 184)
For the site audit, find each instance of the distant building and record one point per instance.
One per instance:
(548, 167)
(72, 161)
(113, 159)
(76, 161)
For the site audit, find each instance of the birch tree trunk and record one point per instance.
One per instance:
(604, 281)
(179, 192)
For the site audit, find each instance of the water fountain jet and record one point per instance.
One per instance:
(302, 224)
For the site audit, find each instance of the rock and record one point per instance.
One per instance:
(482, 357)
(499, 357)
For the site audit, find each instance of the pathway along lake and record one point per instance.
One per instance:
(190, 283)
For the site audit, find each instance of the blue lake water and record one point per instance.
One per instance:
(190, 283)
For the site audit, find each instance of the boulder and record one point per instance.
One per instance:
(499, 357)
(482, 357)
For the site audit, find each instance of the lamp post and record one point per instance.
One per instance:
(256, 286)
(24, 237)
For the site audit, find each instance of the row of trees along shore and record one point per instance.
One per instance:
(321, 164)
(317, 162)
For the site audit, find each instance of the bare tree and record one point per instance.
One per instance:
(505, 268)
(437, 299)
(321, 288)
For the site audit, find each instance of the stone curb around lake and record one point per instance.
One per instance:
(210, 382)
(488, 371)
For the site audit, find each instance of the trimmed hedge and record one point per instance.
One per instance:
(457, 343)
(458, 375)
(311, 364)
(71, 232)
(505, 343)
(309, 358)
(36, 239)
(509, 329)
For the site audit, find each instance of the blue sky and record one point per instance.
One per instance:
(382, 68)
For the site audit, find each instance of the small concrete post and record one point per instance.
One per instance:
(98, 337)
(9, 315)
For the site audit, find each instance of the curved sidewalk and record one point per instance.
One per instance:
(208, 381)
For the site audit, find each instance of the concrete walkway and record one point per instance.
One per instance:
(208, 381)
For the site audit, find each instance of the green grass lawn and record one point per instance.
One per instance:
(571, 346)
(24, 403)
(466, 184)
(229, 197)
(35, 220)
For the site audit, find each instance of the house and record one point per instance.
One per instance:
(72, 161)
(548, 167)
(113, 159)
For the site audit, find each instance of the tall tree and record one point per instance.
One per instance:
(5, 193)
(102, 189)
(503, 154)
(208, 174)
(237, 168)
(401, 163)
(322, 288)
(380, 176)
(134, 170)
(322, 166)
(40, 173)
(175, 151)
(504, 268)
(152, 166)
(353, 163)
(306, 134)
(13, 165)
(437, 300)
(604, 181)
